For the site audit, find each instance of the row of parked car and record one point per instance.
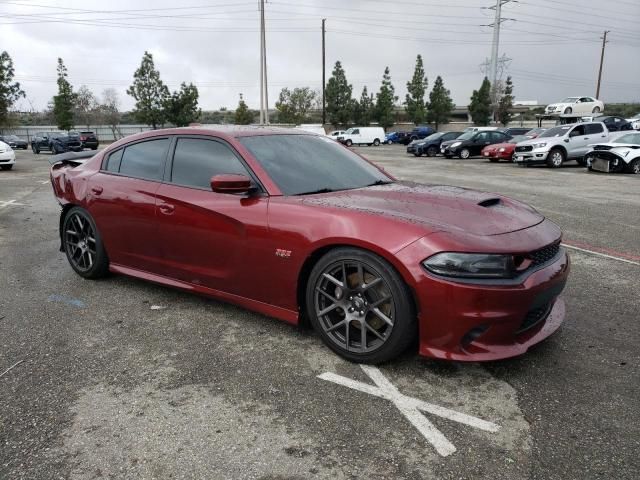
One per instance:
(590, 144)
(56, 142)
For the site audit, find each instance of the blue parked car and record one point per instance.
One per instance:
(395, 137)
(419, 133)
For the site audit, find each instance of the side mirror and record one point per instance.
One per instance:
(230, 183)
(567, 140)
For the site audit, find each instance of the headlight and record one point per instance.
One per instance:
(455, 144)
(539, 145)
(471, 265)
(501, 149)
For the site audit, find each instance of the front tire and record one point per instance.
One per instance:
(360, 306)
(348, 143)
(595, 110)
(464, 153)
(432, 151)
(556, 158)
(83, 245)
(634, 167)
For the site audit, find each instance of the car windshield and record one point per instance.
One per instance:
(570, 100)
(518, 139)
(433, 136)
(55, 135)
(629, 138)
(12, 138)
(556, 131)
(466, 136)
(348, 131)
(304, 164)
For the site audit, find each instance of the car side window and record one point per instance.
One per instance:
(356, 132)
(195, 161)
(145, 159)
(594, 128)
(482, 137)
(113, 161)
(577, 131)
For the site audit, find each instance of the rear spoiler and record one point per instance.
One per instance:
(71, 158)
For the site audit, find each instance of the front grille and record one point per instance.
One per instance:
(524, 148)
(545, 254)
(534, 317)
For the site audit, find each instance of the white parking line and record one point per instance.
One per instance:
(410, 407)
(10, 203)
(599, 254)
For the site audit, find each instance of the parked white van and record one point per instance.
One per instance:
(362, 136)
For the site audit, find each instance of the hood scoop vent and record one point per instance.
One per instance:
(490, 202)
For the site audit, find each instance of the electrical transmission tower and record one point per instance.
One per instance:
(495, 45)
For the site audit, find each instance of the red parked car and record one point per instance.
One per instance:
(503, 151)
(296, 226)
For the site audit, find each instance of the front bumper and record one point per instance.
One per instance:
(90, 144)
(447, 150)
(482, 322)
(530, 158)
(412, 148)
(8, 158)
(497, 154)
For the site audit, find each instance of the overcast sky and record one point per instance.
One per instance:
(554, 45)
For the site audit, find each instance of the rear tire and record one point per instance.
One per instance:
(388, 312)
(83, 245)
(556, 158)
(376, 142)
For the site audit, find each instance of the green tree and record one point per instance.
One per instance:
(385, 101)
(505, 104)
(415, 104)
(338, 97)
(480, 106)
(181, 107)
(293, 106)
(149, 93)
(10, 91)
(440, 104)
(86, 106)
(363, 110)
(64, 102)
(243, 116)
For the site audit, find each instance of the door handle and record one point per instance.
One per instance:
(166, 208)
(96, 190)
(586, 138)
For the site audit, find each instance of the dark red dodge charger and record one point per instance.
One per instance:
(296, 226)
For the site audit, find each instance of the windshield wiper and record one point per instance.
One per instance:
(379, 182)
(320, 190)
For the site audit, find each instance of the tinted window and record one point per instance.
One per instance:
(113, 162)
(195, 161)
(577, 131)
(307, 163)
(593, 128)
(145, 159)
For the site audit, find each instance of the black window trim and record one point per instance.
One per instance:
(103, 164)
(261, 190)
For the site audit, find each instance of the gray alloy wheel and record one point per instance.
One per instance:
(83, 245)
(432, 151)
(634, 167)
(360, 306)
(376, 142)
(555, 158)
(464, 153)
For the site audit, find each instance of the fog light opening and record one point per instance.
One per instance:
(472, 335)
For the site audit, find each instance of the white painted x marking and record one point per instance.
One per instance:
(10, 203)
(410, 407)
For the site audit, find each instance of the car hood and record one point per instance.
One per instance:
(496, 146)
(437, 207)
(559, 105)
(533, 141)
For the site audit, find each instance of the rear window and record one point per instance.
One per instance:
(591, 128)
(113, 162)
(145, 159)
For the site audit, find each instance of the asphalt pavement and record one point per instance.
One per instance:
(119, 378)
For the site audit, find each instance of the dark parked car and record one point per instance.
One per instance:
(472, 143)
(417, 134)
(288, 224)
(614, 123)
(513, 131)
(14, 142)
(56, 142)
(395, 137)
(430, 146)
(89, 140)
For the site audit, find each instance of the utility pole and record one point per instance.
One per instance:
(324, 105)
(264, 90)
(604, 42)
(495, 46)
